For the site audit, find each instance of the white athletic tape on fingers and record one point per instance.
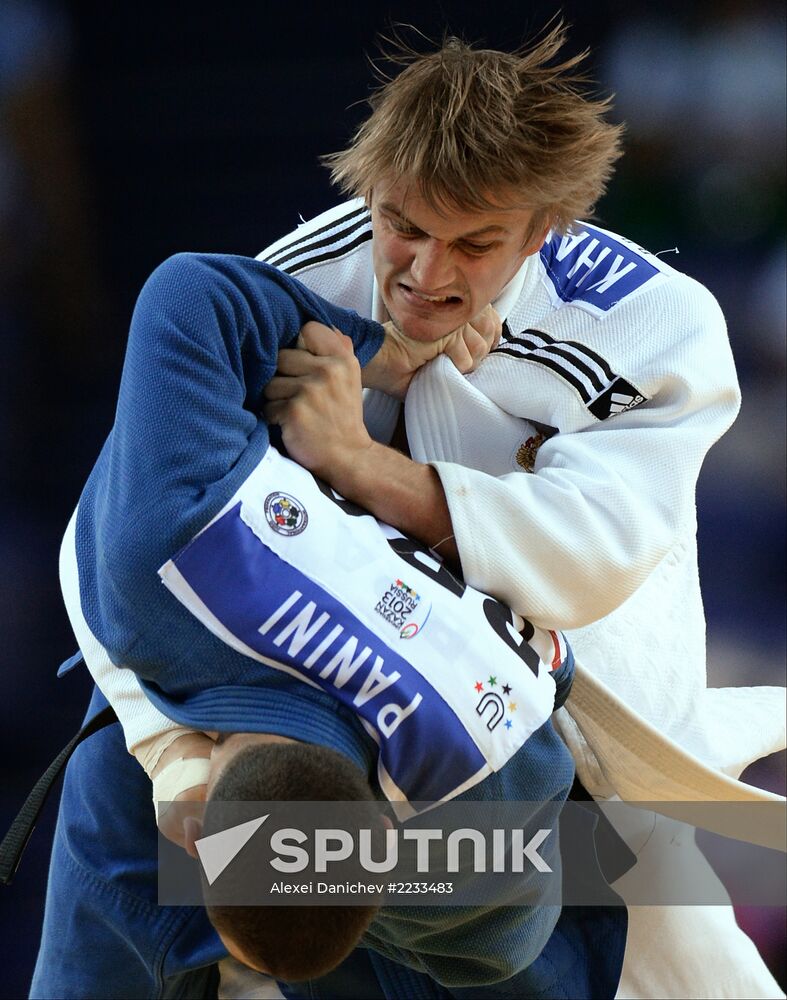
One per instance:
(150, 751)
(177, 777)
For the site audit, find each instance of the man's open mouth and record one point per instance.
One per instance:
(435, 299)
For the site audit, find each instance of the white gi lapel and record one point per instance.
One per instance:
(449, 420)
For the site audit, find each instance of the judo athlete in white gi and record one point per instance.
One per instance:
(561, 472)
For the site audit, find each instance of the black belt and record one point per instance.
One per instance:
(613, 854)
(16, 839)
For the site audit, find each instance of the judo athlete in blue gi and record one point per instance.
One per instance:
(182, 488)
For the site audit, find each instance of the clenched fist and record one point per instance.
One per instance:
(315, 398)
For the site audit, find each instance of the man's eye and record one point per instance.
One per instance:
(403, 229)
(477, 248)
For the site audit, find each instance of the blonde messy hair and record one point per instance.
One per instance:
(475, 129)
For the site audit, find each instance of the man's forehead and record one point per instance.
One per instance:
(484, 227)
(406, 201)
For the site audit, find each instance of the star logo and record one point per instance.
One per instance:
(506, 689)
(479, 686)
(508, 723)
(492, 681)
(512, 706)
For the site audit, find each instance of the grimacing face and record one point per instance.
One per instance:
(436, 271)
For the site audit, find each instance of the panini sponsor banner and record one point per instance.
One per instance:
(295, 577)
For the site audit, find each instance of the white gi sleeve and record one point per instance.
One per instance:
(607, 499)
(138, 716)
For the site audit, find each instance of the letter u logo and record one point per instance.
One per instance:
(492, 706)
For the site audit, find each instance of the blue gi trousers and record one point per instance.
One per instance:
(104, 934)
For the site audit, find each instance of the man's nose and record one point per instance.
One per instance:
(432, 268)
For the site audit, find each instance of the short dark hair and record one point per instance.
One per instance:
(293, 943)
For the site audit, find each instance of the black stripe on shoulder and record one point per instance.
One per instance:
(550, 344)
(364, 237)
(616, 396)
(553, 365)
(329, 241)
(524, 341)
(590, 353)
(556, 347)
(572, 359)
(518, 338)
(305, 242)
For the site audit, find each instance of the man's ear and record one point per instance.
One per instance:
(192, 831)
(536, 241)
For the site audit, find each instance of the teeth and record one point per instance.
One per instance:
(430, 298)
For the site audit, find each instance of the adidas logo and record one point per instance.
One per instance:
(619, 402)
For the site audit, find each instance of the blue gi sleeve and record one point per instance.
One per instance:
(203, 344)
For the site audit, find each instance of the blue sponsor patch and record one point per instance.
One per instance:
(591, 267)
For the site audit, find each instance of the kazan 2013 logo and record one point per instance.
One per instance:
(398, 604)
(285, 514)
